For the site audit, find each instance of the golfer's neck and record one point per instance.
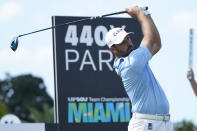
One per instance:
(117, 58)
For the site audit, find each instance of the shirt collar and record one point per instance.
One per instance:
(117, 62)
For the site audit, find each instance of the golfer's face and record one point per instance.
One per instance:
(125, 47)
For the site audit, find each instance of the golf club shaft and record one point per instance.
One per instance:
(89, 18)
(190, 49)
(116, 13)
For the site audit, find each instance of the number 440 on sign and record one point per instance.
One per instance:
(87, 35)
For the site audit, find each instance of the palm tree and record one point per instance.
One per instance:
(46, 115)
(3, 109)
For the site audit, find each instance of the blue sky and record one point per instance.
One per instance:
(34, 54)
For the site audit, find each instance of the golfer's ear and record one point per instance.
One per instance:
(112, 49)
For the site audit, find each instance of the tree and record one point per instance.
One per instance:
(3, 109)
(184, 126)
(23, 92)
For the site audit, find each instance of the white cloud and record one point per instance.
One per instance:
(185, 20)
(10, 10)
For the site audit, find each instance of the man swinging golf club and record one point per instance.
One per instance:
(150, 106)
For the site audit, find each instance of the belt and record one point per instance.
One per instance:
(151, 117)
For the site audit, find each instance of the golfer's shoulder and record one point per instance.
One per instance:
(142, 50)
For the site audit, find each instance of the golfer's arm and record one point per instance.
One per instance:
(194, 86)
(151, 37)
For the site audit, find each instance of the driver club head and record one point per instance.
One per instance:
(14, 43)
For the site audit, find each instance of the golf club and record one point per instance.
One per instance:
(190, 62)
(15, 41)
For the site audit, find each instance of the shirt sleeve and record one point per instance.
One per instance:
(139, 58)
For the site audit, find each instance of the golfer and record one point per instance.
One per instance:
(150, 106)
(190, 76)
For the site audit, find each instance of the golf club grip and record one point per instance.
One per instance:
(121, 12)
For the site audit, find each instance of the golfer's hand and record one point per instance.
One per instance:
(190, 74)
(134, 11)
